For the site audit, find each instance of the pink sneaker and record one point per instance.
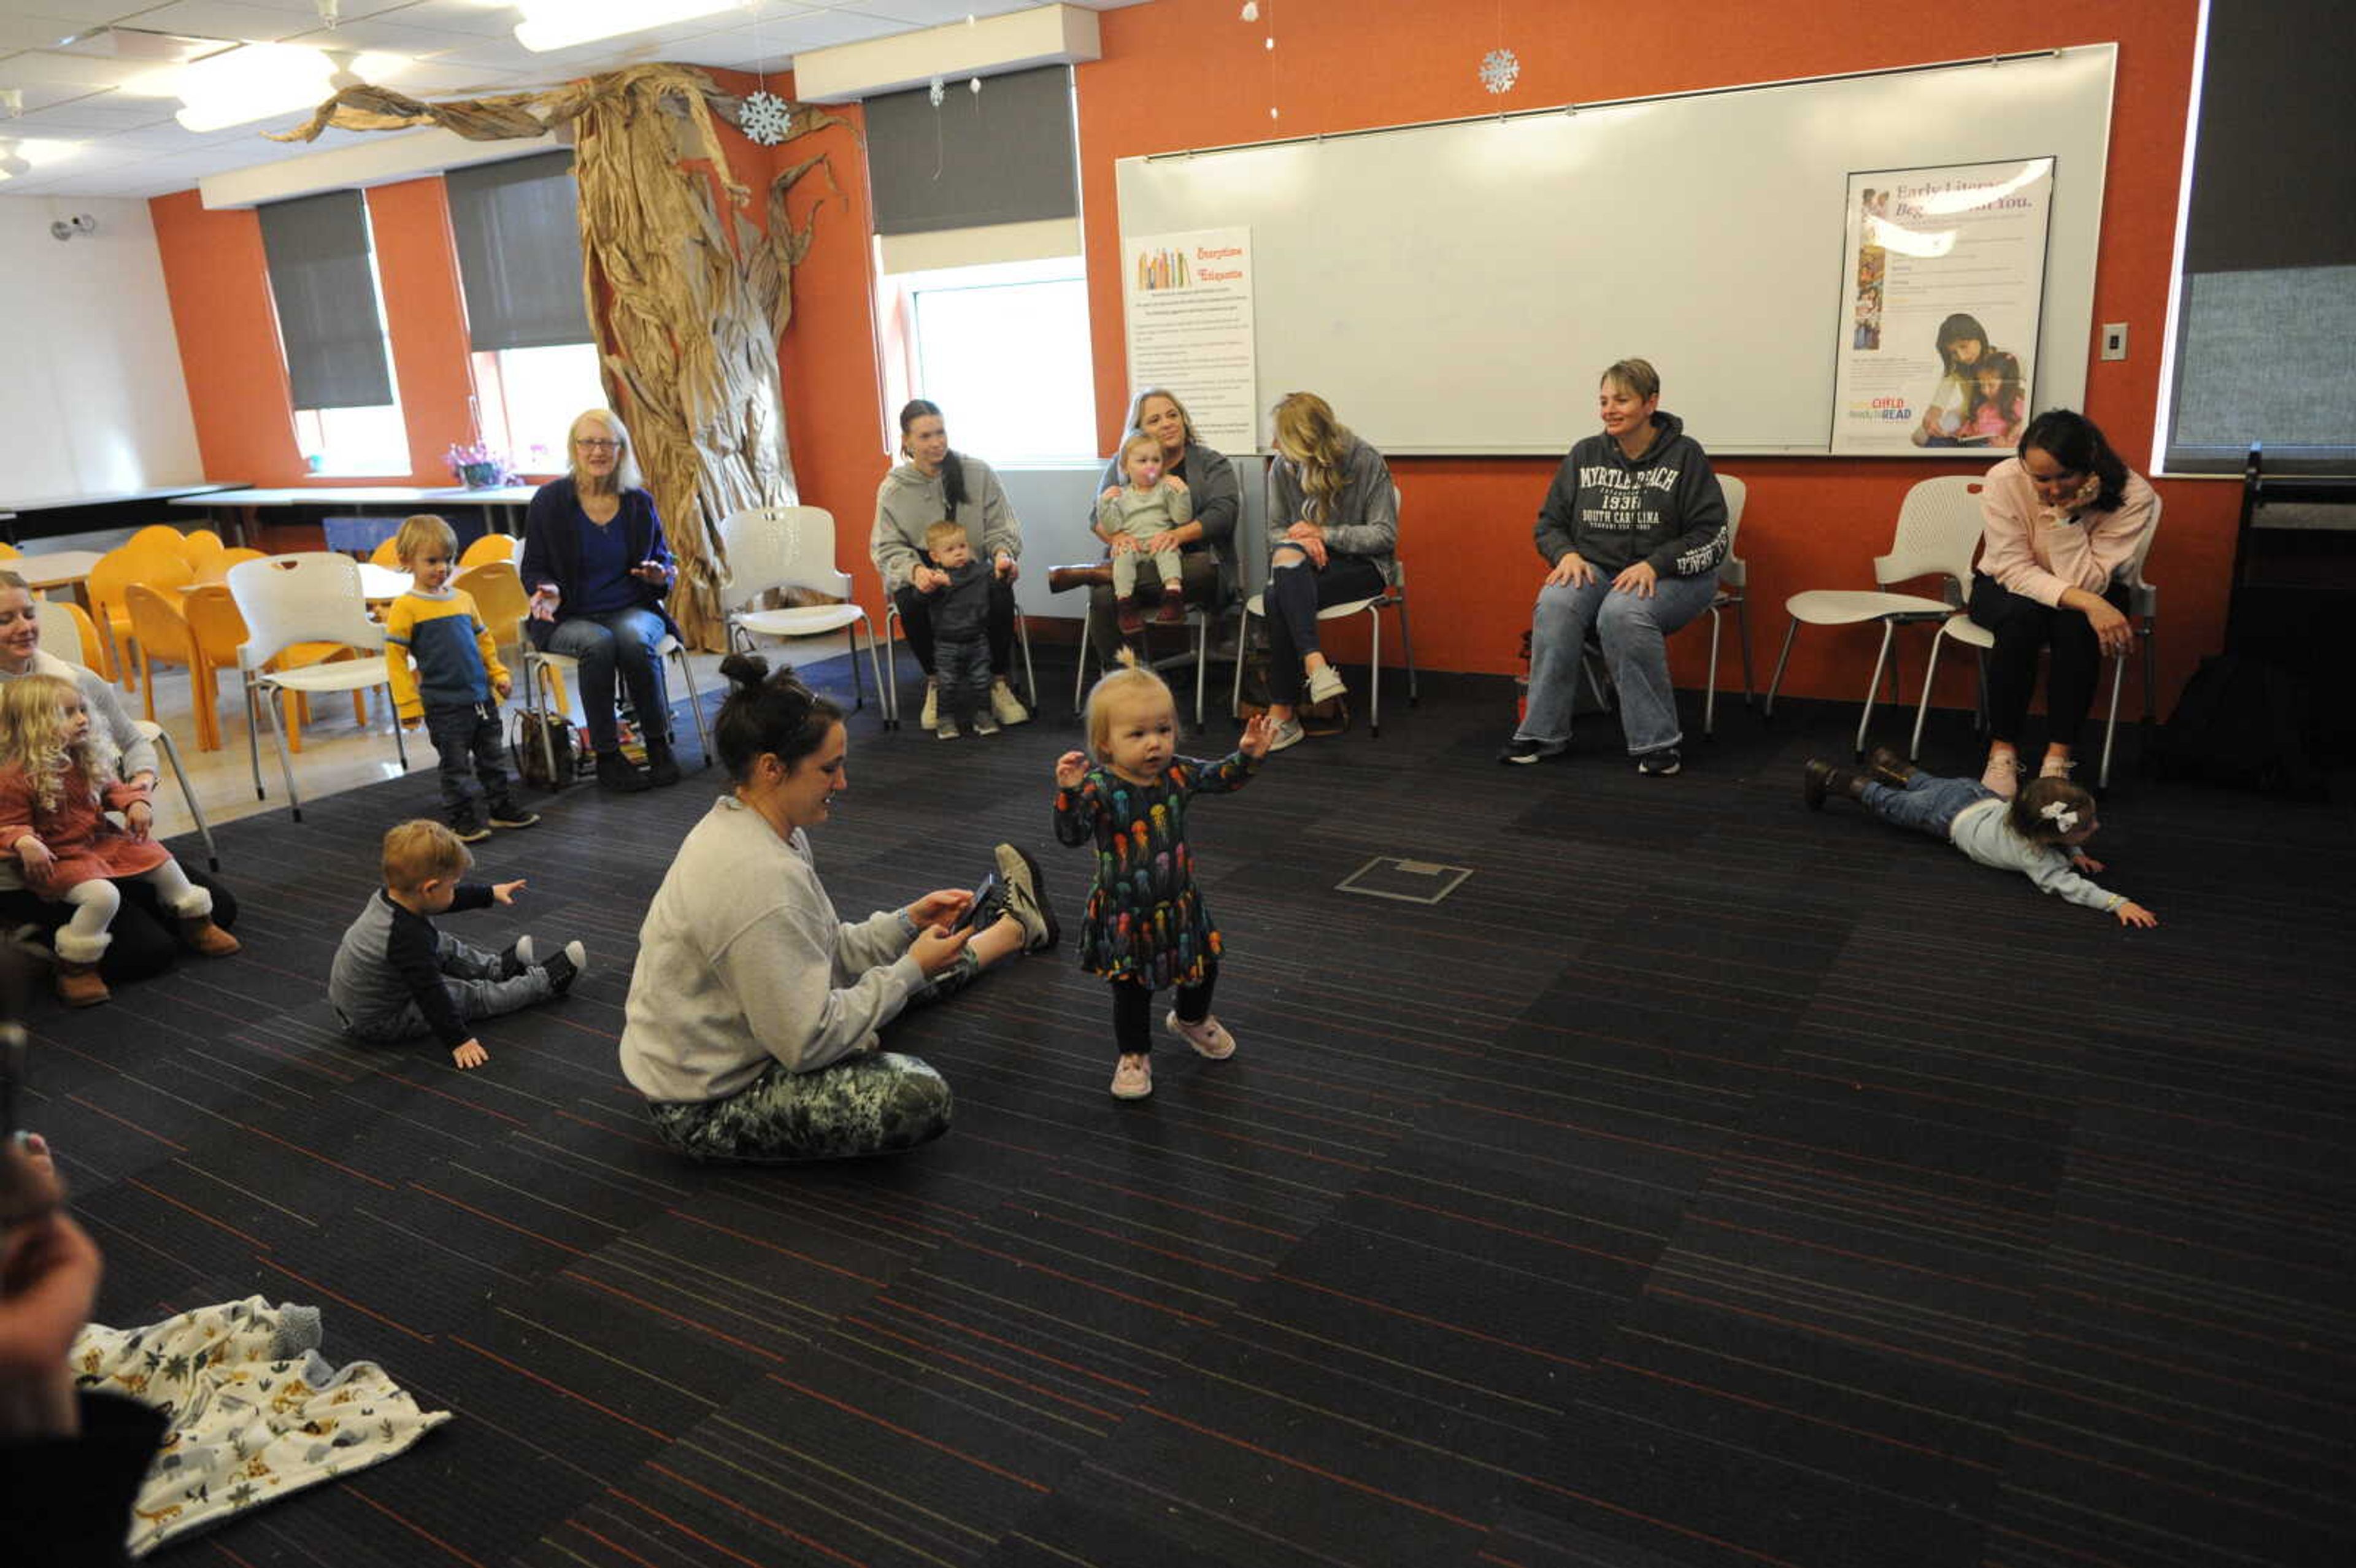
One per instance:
(1209, 1038)
(2002, 777)
(1132, 1079)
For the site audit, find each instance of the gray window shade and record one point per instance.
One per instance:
(518, 230)
(324, 283)
(1005, 154)
(2267, 301)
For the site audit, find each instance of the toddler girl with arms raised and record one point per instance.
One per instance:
(1146, 927)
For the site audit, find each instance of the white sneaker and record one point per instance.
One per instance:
(1004, 706)
(1210, 1037)
(946, 729)
(984, 725)
(1289, 733)
(2055, 767)
(930, 718)
(1325, 684)
(2002, 777)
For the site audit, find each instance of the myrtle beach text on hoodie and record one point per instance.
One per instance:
(1621, 505)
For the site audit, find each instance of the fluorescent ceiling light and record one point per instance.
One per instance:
(22, 157)
(560, 24)
(260, 80)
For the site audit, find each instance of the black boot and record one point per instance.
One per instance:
(616, 773)
(1821, 778)
(662, 768)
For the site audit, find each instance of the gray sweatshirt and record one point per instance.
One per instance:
(1981, 831)
(1144, 514)
(908, 501)
(107, 713)
(1364, 518)
(742, 962)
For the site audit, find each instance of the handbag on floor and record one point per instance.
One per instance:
(526, 731)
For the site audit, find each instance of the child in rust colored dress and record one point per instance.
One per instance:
(56, 788)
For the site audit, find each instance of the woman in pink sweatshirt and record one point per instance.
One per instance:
(2063, 523)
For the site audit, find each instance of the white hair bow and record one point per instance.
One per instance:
(2060, 815)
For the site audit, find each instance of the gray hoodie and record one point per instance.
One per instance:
(908, 501)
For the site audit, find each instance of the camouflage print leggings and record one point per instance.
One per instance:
(876, 1102)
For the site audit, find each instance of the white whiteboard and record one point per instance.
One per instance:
(1456, 288)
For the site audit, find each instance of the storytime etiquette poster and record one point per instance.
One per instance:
(1188, 300)
(1942, 285)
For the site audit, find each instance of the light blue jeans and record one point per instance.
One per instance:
(1633, 633)
(1928, 804)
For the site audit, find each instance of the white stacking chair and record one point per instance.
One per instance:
(311, 597)
(1938, 531)
(1392, 597)
(2143, 609)
(792, 547)
(1732, 578)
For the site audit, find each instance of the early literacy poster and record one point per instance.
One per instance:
(1943, 283)
(1189, 308)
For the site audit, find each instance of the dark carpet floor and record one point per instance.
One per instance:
(1705, 1183)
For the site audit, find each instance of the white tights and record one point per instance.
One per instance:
(95, 902)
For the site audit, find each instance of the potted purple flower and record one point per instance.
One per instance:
(478, 467)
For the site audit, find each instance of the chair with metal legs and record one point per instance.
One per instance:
(1198, 620)
(163, 737)
(891, 662)
(311, 597)
(1938, 531)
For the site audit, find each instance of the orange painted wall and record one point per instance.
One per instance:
(218, 282)
(1812, 522)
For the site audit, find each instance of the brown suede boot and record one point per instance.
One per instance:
(198, 934)
(78, 984)
(1061, 578)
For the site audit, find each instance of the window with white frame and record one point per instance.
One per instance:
(530, 397)
(1003, 349)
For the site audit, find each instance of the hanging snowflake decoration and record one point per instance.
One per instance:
(1251, 10)
(767, 118)
(936, 92)
(1499, 69)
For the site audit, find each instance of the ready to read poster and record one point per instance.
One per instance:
(1942, 285)
(1188, 300)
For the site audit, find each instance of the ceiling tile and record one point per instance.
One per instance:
(487, 18)
(224, 19)
(69, 69)
(26, 30)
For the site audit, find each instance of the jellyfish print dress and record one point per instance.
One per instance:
(1145, 922)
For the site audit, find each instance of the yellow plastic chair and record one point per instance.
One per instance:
(491, 547)
(116, 571)
(386, 554)
(497, 591)
(216, 570)
(157, 537)
(9, 552)
(164, 638)
(200, 547)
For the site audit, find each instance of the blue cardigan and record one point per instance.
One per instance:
(551, 546)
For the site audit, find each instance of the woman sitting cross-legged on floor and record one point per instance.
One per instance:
(754, 1011)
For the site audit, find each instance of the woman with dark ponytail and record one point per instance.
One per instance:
(932, 484)
(752, 1017)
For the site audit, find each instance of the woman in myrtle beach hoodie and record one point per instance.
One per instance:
(1633, 528)
(934, 484)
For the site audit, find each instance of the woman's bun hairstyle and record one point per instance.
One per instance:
(767, 712)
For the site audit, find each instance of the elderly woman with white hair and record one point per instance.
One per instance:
(594, 560)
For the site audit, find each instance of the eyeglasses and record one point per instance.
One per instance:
(595, 444)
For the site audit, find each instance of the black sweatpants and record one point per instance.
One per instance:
(2023, 627)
